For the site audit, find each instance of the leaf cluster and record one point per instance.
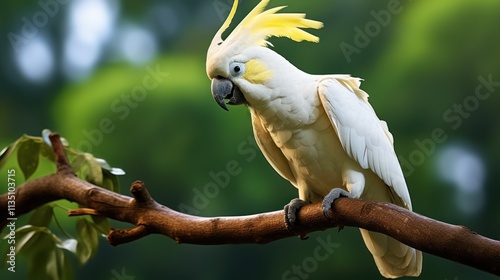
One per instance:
(49, 253)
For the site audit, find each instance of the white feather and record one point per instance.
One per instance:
(364, 137)
(368, 141)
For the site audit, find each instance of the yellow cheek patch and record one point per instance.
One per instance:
(257, 72)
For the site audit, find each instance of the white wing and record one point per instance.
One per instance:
(365, 138)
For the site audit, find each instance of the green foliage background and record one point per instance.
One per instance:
(427, 59)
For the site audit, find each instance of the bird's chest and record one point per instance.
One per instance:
(313, 150)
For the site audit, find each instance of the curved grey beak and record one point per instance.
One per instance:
(223, 89)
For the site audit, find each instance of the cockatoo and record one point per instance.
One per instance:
(318, 131)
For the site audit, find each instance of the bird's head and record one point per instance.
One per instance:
(241, 67)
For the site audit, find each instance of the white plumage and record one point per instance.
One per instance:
(346, 146)
(318, 131)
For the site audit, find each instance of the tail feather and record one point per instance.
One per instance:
(393, 258)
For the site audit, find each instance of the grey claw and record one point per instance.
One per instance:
(331, 197)
(291, 212)
(325, 212)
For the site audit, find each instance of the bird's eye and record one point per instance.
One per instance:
(237, 69)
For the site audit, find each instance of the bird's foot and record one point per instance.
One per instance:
(291, 214)
(331, 197)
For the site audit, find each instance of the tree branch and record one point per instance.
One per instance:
(456, 243)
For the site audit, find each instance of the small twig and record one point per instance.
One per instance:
(117, 237)
(62, 162)
(140, 193)
(82, 211)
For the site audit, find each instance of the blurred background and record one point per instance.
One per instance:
(125, 81)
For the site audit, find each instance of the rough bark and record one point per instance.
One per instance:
(457, 243)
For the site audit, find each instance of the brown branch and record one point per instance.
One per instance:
(456, 243)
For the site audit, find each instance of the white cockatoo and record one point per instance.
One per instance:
(318, 131)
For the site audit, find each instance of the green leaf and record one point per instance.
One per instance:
(101, 224)
(110, 181)
(45, 253)
(107, 181)
(116, 184)
(45, 136)
(28, 156)
(41, 240)
(104, 164)
(57, 264)
(91, 170)
(87, 240)
(46, 151)
(24, 235)
(113, 170)
(78, 162)
(44, 264)
(42, 216)
(53, 260)
(117, 171)
(64, 142)
(69, 245)
(67, 270)
(6, 152)
(23, 230)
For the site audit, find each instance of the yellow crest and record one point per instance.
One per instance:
(259, 25)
